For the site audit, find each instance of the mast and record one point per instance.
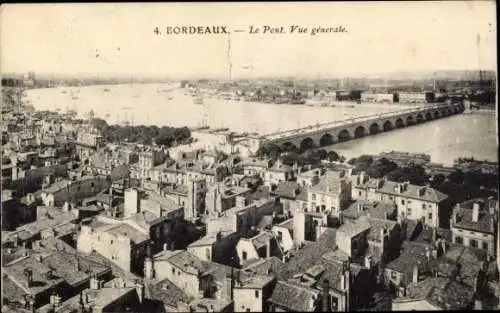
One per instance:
(478, 43)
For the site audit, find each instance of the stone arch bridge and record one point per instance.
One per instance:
(321, 135)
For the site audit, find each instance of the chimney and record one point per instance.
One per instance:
(478, 305)
(475, 212)
(382, 236)
(434, 234)
(325, 303)
(94, 283)
(149, 265)
(415, 274)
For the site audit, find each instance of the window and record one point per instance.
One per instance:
(111, 242)
(173, 270)
(430, 216)
(92, 184)
(473, 243)
(359, 193)
(402, 201)
(459, 240)
(313, 196)
(256, 293)
(409, 211)
(391, 198)
(244, 255)
(423, 206)
(485, 245)
(394, 274)
(248, 310)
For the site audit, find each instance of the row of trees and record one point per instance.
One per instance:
(310, 156)
(166, 136)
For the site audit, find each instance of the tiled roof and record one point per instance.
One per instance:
(411, 254)
(248, 279)
(287, 224)
(313, 254)
(376, 225)
(354, 212)
(129, 232)
(423, 193)
(464, 217)
(294, 297)
(261, 239)
(265, 266)
(166, 292)
(184, 261)
(176, 189)
(355, 227)
(445, 293)
(145, 219)
(289, 190)
(328, 183)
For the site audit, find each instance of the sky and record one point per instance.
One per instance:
(382, 37)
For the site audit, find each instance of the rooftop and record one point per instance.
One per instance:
(464, 216)
(128, 231)
(291, 190)
(355, 227)
(423, 193)
(167, 292)
(330, 182)
(294, 297)
(184, 261)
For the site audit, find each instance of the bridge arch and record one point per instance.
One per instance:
(450, 111)
(437, 114)
(387, 126)
(326, 140)
(289, 147)
(428, 116)
(420, 118)
(375, 129)
(410, 120)
(400, 123)
(359, 132)
(306, 144)
(344, 135)
(444, 113)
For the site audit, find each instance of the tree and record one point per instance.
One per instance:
(437, 180)
(415, 174)
(380, 168)
(333, 156)
(457, 177)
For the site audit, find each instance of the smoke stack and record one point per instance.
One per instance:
(475, 212)
(325, 305)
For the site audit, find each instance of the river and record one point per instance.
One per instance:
(159, 104)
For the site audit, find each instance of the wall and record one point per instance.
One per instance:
(78, 189)
(248, 298)
(286, 238)
(118, 252)
(246, 246)
(481, 238)
(416, 305)
(189, 283)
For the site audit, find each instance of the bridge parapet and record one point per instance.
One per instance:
(355, 120)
